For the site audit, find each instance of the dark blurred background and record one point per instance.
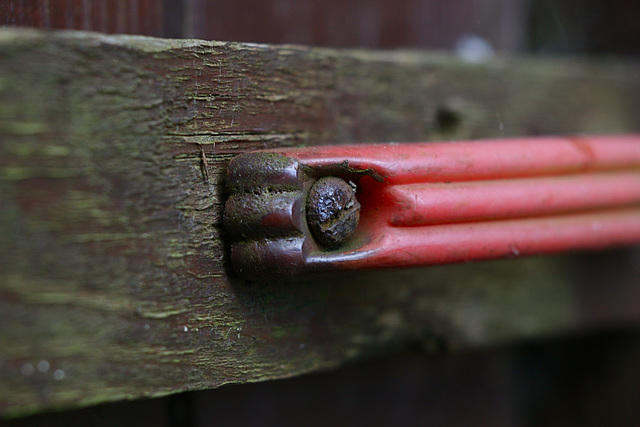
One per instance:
(586, 380)
(506, 26)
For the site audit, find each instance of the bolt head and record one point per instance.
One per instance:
(333, 212)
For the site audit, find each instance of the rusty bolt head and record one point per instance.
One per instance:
(333, 211)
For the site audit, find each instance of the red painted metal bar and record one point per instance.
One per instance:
(412, 205)
(479, 160)
(443, 244)
(434, 203)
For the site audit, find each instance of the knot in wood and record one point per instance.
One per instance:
(333, 212)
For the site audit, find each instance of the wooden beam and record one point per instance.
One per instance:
(114, 276)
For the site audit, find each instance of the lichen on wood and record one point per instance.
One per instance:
(114, 276)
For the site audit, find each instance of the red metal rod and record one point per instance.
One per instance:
(443, 244)
(412, 205)
(430, 203)
(479, 160)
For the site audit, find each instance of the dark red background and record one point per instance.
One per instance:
(566, 26)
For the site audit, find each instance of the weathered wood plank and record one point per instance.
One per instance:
(114, 280)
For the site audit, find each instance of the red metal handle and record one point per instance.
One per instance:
(432, 203)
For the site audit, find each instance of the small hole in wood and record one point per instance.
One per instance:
(447, 121)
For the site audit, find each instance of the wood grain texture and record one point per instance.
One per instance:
(114, 277)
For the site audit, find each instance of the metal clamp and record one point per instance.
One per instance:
(294, 211)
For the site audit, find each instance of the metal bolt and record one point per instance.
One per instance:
(333, 211)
